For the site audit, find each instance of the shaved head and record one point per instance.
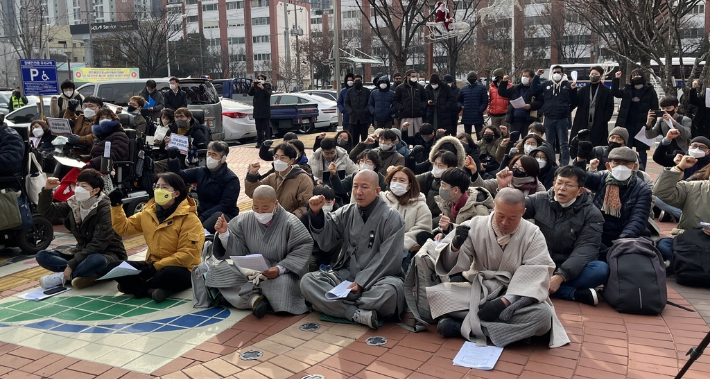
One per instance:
(366, 187)
(370, 176)
(510, 196)
(264, 192)
(509, 209)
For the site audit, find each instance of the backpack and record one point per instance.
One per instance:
(420, 275)
(691, 258)
(637, 280)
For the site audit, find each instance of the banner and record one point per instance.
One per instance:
(98, 74)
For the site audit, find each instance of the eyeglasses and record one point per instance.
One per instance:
(566, 185)
(698, 146)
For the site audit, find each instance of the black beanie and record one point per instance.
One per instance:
(701, 139)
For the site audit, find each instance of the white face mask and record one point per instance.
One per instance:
(413, 80)
(365, 166)
(398, 189)
(327, 208)
(557, 77)
(68, 93)
(81, 194)
(263, 218)
(262, 81)
(89, 113)
(621, 173)
(525, 80)
(385, 146)
(280, 166)
(567, 204)
(213, 163)
(383, 85)
(38, 132)
(350, 83)
(541, 162)
(437, 172)
(434, 86)
(695, 153)
(173, 86)
(529, 148)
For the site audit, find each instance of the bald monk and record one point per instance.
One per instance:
(281, 239)
(500, 273)
(371, 257)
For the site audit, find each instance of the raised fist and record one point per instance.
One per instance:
(316, 203)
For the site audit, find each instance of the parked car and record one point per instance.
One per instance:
(327, 112)
(328, 94)
(5, 101)
(237, 120)
(201, 95)
(25, 115)
(293, 111)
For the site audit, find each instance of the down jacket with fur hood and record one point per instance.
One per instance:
(428, 184)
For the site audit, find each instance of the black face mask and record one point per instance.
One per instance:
(518, 173)
(613, 145)
(488, 137)
(671, 113)
(131, 108)
(637, 81)
(594, 78)
(358, 84)
(472, 80)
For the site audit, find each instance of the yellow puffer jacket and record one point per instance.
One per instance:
(176, 242)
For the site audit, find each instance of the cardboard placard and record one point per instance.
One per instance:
(181, 142)
(59, 126)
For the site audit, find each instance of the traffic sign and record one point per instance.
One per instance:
(39, 76)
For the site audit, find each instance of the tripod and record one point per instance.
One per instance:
(695, 353)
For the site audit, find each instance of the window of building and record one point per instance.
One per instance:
(239, 57)
(237, 40)
(190, 2)
(577, 40)
(209, 7)
(693, 33)
(235, 5)
(260, 39)
(192, 19)
(213, 42)
(351, 14)
(316, 21)
(260, 21)
(259, 3)
(236, 23)
(210, 25)
(699, 9)
(262, 57)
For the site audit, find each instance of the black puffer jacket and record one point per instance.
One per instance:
(572, 234)
(444, 105)
(409, 100)
(119, 145)
(12, 150)
(217, 191)
(647, 101)
(356, 105)
(262, 100)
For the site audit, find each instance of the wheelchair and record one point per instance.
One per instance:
(41, 233)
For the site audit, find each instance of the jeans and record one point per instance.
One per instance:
(52, 260)
(594, 274)
(558, 129)
(665, 246)
(671, 210)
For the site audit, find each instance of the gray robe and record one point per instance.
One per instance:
(371, 256)
(285, 242)
(525, 268)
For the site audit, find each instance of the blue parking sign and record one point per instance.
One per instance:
(39, 76)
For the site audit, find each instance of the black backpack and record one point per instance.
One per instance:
(637, 280)
(691, 258)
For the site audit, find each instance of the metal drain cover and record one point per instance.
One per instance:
(250, 355)
(314, 376)
(376, 341)
(310, 327)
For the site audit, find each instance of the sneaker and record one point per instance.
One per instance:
(367, 318)
(666, 217)
(258, 145)
(159, 294)
(118, 287)
(449, 327)
(84, 281)
(586, 295)
(260, 307)
(52, 280)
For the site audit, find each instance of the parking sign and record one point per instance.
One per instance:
(39, 76)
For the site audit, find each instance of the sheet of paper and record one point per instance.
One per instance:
(574, 76)
(38, 295)
(253, 261)
(707, 97)
(478, 357)
(518, 103)
(340, 291)
(35, 141)
(59, 126)
(181, 142)
(124, 269)
(670, 124)
(69, 162)
(641, 137)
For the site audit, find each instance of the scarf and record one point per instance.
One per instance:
(527, 184)
(503, 239)
(612, 199)
(164, 213)
(86, 206)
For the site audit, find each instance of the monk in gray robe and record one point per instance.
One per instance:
(371, 257)
(500, 273)
(281, 239)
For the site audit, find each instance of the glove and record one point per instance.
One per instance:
(418, 153)
(173, 152)
(513, 152)
(584, 150)
(72, 105)
(268, 142)
(148, 273)
(116, 197)
(583, 135)
(73, 139)
(491, 310)
(460, 236)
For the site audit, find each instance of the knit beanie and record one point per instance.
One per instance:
(621, 132)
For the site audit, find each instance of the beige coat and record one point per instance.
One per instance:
(416, 215)
(292, 192)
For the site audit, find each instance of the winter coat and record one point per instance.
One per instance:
(444, 106)
(177, 241)
(701, 122)
(648, 101)
(684, 195)
(602, 113)
(498, 104)
(341, 104)
(572, 234)
(380, 104)
(684, 126)
(119, 146)
(198, 138)
(428, 184)
(58, 104)
(292, 191)
(490, 148)
(409, 100)
(555, 105)
(416, 215)
(479, 203)
(175, 100)
(140, 124)
(82, 127)
(12, 151)
(345, 165)
(514, 92)
(547, 174)
(261, 101)
(635, 207)
(217, 191)
(356, 106)
(158, 99)
(45, 143)
(94, 234)
(664, 156)
(474, 99)
(388, 158)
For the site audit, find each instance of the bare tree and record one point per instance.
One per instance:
(25, 27)
(463, 11)
(569, 34)
(237, 62)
